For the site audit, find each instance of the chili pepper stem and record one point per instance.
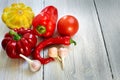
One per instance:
(41, 29)
(16, 35)
(72, 41)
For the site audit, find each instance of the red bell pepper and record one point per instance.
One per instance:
(45, 22)
(66, 40)
(19, 41)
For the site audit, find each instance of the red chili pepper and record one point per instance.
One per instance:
(66, 40)
(45, 22)
(19, 41)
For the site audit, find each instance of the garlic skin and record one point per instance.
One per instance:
(34, 65)
(62, 52)
(53, 52)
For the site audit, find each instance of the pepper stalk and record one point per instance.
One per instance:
(15, 34)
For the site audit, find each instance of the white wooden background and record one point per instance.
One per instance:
(97, 54)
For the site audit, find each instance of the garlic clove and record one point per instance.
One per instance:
(53, 52)
(62, 52)
(34, 65)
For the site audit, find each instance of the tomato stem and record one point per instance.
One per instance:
(41, 29)
(16, 35)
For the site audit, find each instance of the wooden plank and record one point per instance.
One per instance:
(88, 60)
(17, 69)
(109, 13)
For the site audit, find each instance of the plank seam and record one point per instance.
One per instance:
(105, 45)
(43, 49)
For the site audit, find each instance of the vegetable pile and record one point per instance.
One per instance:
(25, 28)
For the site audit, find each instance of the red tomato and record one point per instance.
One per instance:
(67, 25)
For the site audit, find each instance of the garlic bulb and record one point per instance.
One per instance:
(34, 65)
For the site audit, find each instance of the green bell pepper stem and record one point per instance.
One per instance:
(41, 29)
(15, 34)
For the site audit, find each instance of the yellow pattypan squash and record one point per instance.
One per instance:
(18, 15)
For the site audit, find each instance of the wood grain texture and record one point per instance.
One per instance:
(109, 12)
(87, 60)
